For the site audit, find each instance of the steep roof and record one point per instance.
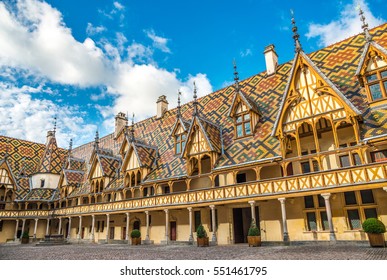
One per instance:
(51, 161)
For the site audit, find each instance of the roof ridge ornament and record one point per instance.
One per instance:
(96, 141)
(178, 104)
(364, 25)
(55, 125)
(236, 76)
(296, 36)
(132, 129)
(70, 146)
(195, 103)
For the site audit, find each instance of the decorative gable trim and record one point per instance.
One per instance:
(363, 62)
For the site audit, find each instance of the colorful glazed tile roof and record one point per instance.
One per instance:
(40, 194)
(115, 184)
(73, 177)
(109, 164)
(75, 164)
(52, 161)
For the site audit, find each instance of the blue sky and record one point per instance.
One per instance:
(84, 61)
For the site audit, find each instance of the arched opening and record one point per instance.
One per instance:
(137, 193)
(205, 164)
(138, 178)
(194, 164)
(306, 138)
(247, 175)
(96, 187)
(223, 179)
(128, 194)
(148, 191)
(179, 186)
(136, 224)
(325, 135)
(127, 180)
(200, 183)
(272, 171)
(133, 180)
(345, 134)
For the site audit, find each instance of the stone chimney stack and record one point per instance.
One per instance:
(162, 106)
(121, 121)
(271, 59)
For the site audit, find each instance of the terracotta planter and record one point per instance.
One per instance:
(136, 241)
(254, 241)
(25, 240)
(376, 239)
(203, 242)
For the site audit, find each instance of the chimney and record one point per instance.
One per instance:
(121, 121)
(271, 59)
(162, 106)
(50, 135)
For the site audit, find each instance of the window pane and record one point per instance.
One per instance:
(324, 220)
(385, 85)
(247, 117)
(241, 178)
(383, 74)
(247, 128)
(305, 167)
(315, 166)
(350, 198)
(178, 150)
(356, 159)
(239, 119)
(198, 219)
(354, 219)
(239, 130)
(370, 213)
(379, 156)
(309, 201)
(183, 136)
(366, 196)
(182, 145)
(311, 221)
(344, 161)
(372, 78)
(375, 91)
(321, 201)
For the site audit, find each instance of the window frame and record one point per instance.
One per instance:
(243, 123)
(380, 80)
(317, 210)
(180, 141)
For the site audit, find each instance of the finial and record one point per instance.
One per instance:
(70, 146)
(195, 103)
(132, 129)
(236, 76)
(54, 125)
(296, 36)
(96, 141)
(178, 104)
(364, 26)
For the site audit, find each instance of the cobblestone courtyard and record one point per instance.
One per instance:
(183, 252)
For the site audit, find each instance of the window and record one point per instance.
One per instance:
(316, 217)
(167, 189)
(377, 84)
(243, 124)
(42, 181)
(344, 161)
(379, 156)
(97, 226)
(360, 205)
(356, 159)
(241, 178)
(180, 143)
(198, 219)
(305, 166)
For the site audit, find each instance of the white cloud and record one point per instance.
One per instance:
(158, 42)
(25, 117)
(92, 30)
(118, 6)
(246, 52)
(37, 43)
(347, 25)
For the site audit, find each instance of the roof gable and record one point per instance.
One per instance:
(365, 64)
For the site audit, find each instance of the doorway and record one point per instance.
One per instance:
(242, 221)
(111, 233)
(172, 233)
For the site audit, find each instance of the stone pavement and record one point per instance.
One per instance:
(183, 252)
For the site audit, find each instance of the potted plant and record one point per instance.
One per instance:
(254, 236)
(375, 230)
(25, 238)
(202, 238)
(136, 237)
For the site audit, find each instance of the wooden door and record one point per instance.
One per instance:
(123, 233)
(173, 231)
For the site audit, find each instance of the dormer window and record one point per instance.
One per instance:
(377, 84)
(243, 124)
(180, 140)
(42, 181)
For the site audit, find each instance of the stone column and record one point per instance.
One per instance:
(60, 226)
(166, 225)
(16, 228)
(190, 225)
(23, 226)
(284, 222)
(252, 206)
(326, 197)
(92, 227)
(35, 228)
(48, 227)
(214, 240)
(107, 227)
(80, 228)
(69, 231)
(127, 227)
(147, 226)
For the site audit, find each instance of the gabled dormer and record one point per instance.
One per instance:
(179, 130)
(8, 183)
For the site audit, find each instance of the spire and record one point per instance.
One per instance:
(236, 76)
(296, 36)
(96, 141)
(195, 103)
(364, 26)
(70, 147)
(54, 125)
(132, 129)
(178, 104)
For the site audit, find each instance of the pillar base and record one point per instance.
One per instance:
(147, 242)
(164, 242)
(332, 236)
(286, 238)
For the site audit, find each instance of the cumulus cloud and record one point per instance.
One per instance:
(37, 43)
(118, 6)
(347, 25)
(92, 30)
(158, 42)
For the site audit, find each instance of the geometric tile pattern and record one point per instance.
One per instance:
(51, 161)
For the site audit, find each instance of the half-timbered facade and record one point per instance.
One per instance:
(300, 148)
